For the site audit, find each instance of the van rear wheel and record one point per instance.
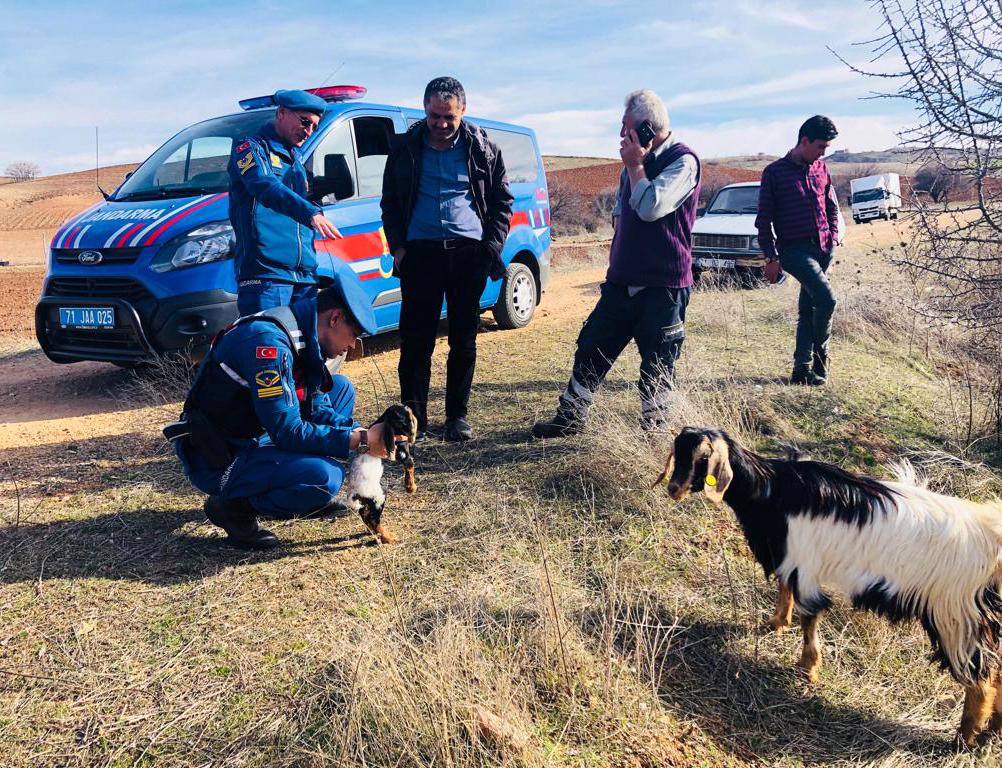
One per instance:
(517, 301)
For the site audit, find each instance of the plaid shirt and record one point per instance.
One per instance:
(797, 202)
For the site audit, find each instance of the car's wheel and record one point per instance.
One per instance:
(855, 220)
(517, 302)
(894, 215)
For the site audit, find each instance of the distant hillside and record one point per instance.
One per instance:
(50, 200)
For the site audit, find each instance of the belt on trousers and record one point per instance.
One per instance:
(449, 243)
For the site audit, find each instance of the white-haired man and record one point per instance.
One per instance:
(646, 290)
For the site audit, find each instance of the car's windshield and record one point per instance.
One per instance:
(194, 161)
(869, 194)
(735, 200)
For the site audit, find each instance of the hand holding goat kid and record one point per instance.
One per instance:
(894, 548)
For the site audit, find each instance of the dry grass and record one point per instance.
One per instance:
(545, 609)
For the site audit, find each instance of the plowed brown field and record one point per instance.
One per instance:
(19, 289)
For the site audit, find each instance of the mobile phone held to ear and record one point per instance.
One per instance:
(645, 134)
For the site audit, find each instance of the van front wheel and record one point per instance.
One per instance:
(516, 303)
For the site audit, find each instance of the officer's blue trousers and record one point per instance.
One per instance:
(258, 295)
(278, 483)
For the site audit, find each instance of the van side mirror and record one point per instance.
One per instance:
(700, 212)
(336, 180)
(128, 175)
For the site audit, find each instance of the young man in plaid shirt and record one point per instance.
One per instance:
(797, 201)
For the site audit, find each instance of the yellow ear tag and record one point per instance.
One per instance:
(710, 480)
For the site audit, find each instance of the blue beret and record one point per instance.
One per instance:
(355, 298)
(301, 101)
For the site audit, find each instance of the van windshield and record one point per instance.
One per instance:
(735, 200)
(870, 194)
(193, 162)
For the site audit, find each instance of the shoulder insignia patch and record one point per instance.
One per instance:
(242, 147)
(246, 162)
(269, 384)
(267, 353)
(267, 378)
(276, 160)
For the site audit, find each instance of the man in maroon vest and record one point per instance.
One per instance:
(647, 287)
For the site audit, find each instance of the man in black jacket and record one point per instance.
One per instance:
(446, 211)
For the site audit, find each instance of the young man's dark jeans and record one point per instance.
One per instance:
(429, 274)
(654, 318)
(808, 263)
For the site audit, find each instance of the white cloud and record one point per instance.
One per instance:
(786, 14)
(810, 79)
(590, 132)
(775, 137)
(117, 156)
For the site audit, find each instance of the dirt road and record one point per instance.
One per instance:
(43, 403)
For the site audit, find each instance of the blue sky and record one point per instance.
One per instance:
(738, 75)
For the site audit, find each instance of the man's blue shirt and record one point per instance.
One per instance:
(444, 207)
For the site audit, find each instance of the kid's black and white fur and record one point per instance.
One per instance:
(365, 490)
(895, 548)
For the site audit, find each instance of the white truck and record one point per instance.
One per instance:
(876, 197)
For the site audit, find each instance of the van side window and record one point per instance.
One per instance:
(372, 142)
(336, 142)
(519, 155)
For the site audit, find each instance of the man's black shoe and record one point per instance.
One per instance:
(458, 430)
(421, 436)
(806, 377)
(238, 518)
(560, 425)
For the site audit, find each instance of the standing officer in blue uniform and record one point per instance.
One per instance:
(266, 430)
(273, 220)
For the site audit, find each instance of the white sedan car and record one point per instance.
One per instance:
(724, 237)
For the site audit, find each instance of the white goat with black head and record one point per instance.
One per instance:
(365, 490)
(894, 548)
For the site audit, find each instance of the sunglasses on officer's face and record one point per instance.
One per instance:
(306, 122)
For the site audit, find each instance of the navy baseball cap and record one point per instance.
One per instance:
(353, 296)
(301, 101)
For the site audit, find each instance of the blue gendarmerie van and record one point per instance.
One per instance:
(150, 270)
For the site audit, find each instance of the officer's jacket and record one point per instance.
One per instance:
(266, 374)
(269, 210)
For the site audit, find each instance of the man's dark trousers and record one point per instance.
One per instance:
(808, 263)
(653, 317)
(430, 272)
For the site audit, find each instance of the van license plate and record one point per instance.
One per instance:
(87, 317)
(715, 263)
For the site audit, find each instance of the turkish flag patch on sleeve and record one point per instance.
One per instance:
(267, 353)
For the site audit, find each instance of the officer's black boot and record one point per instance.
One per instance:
(563, 424)
(820, 366)
(803, 375)
(238, 518)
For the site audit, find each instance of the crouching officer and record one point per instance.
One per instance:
(273, 221)
(266, 430)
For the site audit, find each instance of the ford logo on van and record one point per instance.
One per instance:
(90, 257)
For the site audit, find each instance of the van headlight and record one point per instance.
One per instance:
(211, 242)
(753, 244)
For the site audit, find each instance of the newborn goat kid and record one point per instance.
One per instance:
(894, 548)
(365, 493)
